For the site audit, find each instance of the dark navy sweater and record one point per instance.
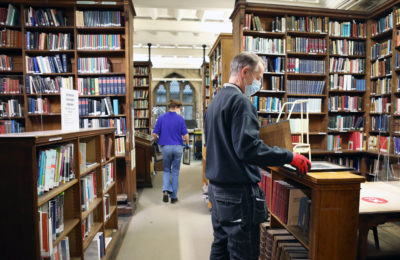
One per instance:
(234, 148)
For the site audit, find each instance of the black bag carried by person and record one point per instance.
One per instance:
(186, 155)
(157, 152)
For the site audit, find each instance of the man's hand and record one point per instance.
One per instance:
(302, 164)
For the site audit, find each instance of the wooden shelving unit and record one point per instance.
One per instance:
(220, 56)
(22, 225)
(142, 103)
(334, 206)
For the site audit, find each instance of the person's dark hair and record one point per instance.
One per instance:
(172, 104)
(245, 59)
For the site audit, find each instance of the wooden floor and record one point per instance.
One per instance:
(389, 242)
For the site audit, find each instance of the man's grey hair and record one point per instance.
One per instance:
(245, 59)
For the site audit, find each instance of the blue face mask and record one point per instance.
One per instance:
(253, 88)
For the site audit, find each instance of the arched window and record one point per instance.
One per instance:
(176, 89)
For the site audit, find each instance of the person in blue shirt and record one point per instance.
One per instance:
(171, 130)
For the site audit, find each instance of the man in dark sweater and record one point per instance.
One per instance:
(234, 153)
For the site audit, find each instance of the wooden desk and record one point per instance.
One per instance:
(379, 203)
(143, 146)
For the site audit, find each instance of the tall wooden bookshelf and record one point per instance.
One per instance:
(205, 76)
(142, 96)
(314, 45)
(20, 191)
(220, 56)
(114, 42)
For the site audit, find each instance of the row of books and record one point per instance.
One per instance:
(96, 18)
(6, 63)
(87, 225)
(347, 65)
(269, 104)
(141, 113)
(119, 144)
(253, 22)
(10, 38)
(275, 65)
(11, 126)
(141, 82)
(305, 87)
(141, 71)
(51, 224)
(298, 125)
(44, 17)
(141, 94)
(355, 142)
(9, 16)
(88, 190)
(397, 61)
(381, 49)
(346, 82)
(383, 24)
(39, 105)
(10, 86)
(380, 123)
(334, 143)
(347, 47)
(96, 249)
(11, 108)
(307, 24)
(140, 104)
(44, 85)
(378, 143)
(108, 175)
(345, 103)
(275, 83)
(396, 125)
(380, 105)
(94, 65)
(397, 38)
(102, 107)
(263, 45)
(348, 29)
(282, 246)
(382, 68)
(98, 41)
(346, 123)
(306, 45)
(314, 105)
(47, 64)
(296, 65)
(141, 123)
(118, 123)
(353, 162)
(48, 41)
(382, 170)
(265, 120)
(381, 86)
(102, 86)
(55, 166)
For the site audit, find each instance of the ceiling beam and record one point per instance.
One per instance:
(187, 4)
(170, 52)
(166, 38)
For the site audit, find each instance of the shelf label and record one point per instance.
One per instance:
(55, 139)
(69, 109)
(374, 200)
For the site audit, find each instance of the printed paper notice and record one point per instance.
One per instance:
(69, 109)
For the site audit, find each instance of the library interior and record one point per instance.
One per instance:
(191, 130)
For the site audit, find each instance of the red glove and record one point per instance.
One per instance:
(301, 163)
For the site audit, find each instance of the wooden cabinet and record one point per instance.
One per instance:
(333, 214)
(143, 146)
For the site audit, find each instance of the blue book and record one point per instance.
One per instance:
(35, 65)
(116, 106)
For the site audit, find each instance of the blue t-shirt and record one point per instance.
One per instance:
(170, 128)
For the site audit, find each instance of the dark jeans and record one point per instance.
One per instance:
(237, 211)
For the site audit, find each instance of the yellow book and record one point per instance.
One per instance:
(96, 86)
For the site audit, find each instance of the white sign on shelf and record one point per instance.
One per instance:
(69, 109)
